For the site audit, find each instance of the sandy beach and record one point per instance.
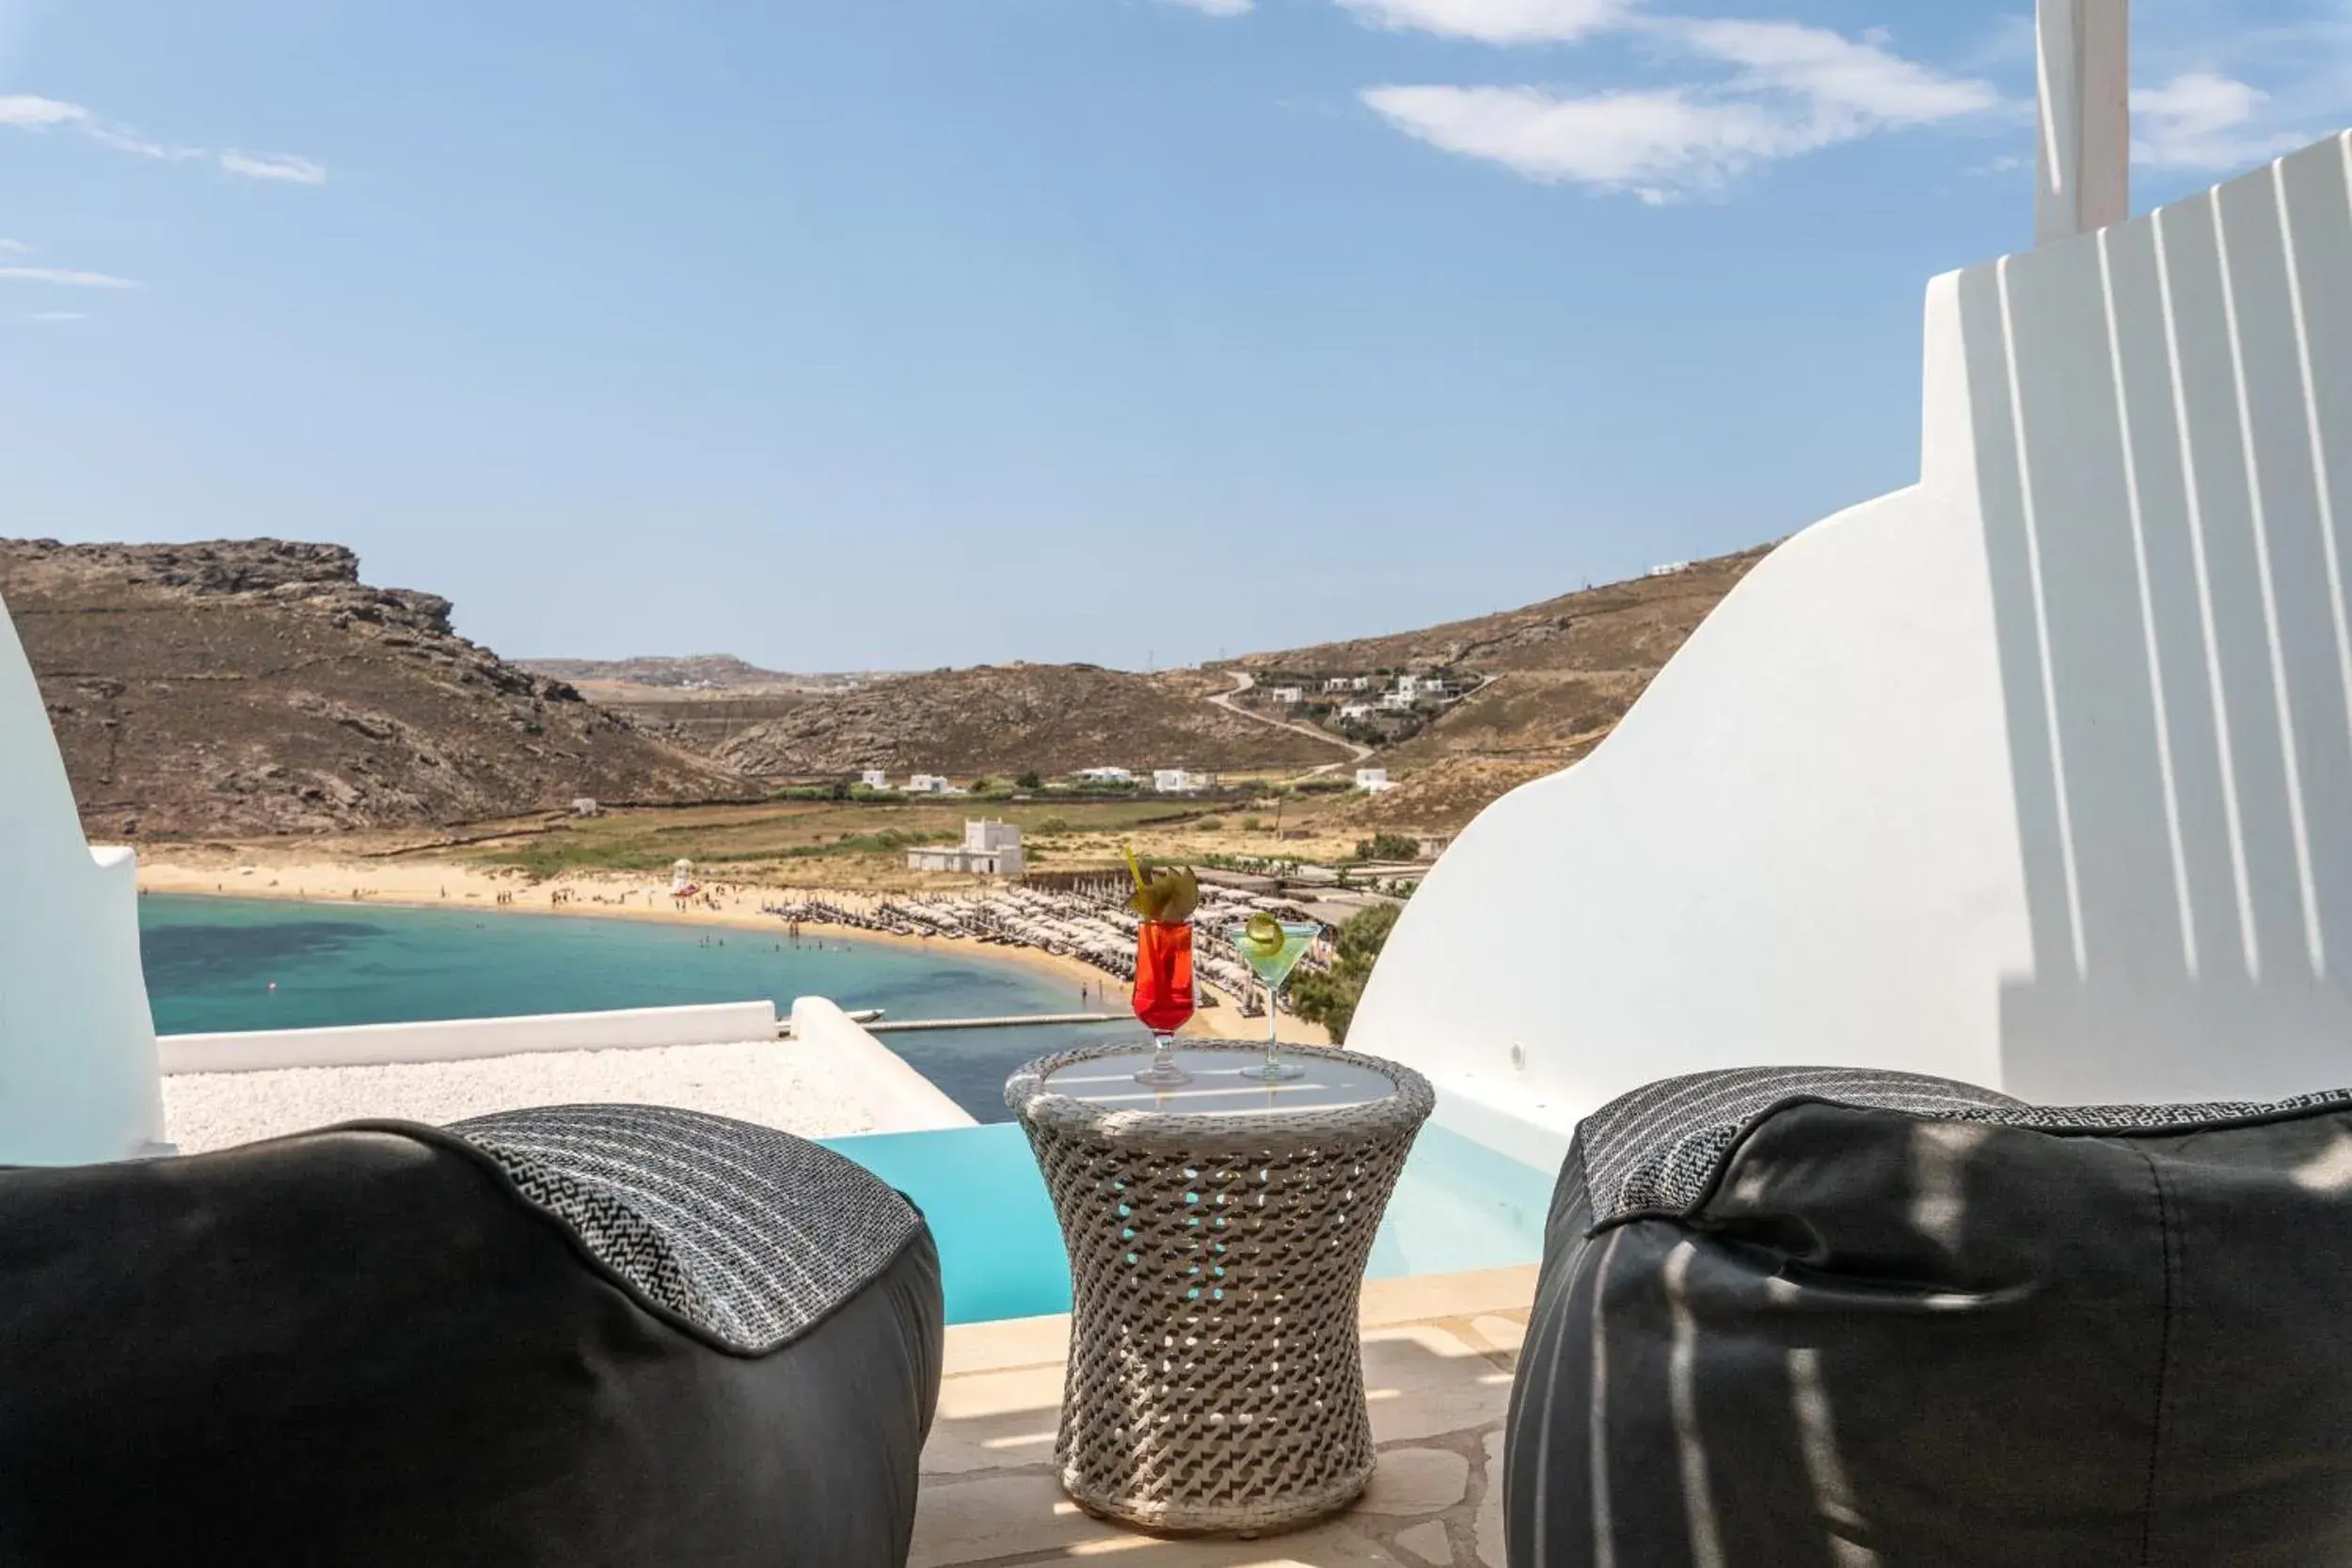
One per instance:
(441, 885)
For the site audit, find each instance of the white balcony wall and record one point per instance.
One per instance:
(2038, 773)
(78, 1080)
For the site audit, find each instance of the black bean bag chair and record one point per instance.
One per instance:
(1824, 1316)
(584, 1335)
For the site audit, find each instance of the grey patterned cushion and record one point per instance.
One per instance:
(751, 1235)
(1659, 1150)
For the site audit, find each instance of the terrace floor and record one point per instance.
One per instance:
(1438, 1354)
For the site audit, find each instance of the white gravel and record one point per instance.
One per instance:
(762, 1081)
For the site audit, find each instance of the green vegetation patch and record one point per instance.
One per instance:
(1329, 996)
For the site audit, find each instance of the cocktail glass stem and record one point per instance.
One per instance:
(1163, 1072)
(1276, 1071)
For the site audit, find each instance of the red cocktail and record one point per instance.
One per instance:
(1163, 997)
(1164, 974)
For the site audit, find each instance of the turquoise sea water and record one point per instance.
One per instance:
(211, 962)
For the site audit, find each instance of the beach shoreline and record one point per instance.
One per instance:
(440, 886)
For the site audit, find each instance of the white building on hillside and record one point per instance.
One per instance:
(1394, 701)
(874, 778)
(1669, 569)
(1372, 781)
(1289, 696)
(1337, 683)
(1177, 780)
(1106, 775)
(1407, 686)
(930, 784)
(1355, 710)
(989, 850)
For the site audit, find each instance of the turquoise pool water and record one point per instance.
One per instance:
(210, 963)
(1459, 1206)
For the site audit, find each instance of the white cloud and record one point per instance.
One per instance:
(1657, 145)
(15, 247)
(123, 141)
(1794, 90)
(27, 113)
(67, 277)
(1493, 21)
(39, 113)
(1216, 8)
(1834, 75)
(281, 166)
(56, 316)
(2203, 120)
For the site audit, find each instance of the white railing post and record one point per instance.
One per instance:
(2085, 154)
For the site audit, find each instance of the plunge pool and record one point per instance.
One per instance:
(1459, 1206)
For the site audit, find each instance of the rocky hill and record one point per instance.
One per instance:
(258, 687)
(1013, 718)
(687, 672)
(254, 687)
(1558, 676)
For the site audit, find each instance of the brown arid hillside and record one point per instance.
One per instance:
(1635, 624)
(1557, 675)
(1441, 796)
(686, 672)
(1052, 718)
(258, 687)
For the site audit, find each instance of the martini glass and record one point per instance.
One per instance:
(1272, 949)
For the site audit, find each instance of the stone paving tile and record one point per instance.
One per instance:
(1427, 1543)
(1332, 1546)
(982, 1518)
(995, 1421)
(1421, 1297)
(1437, 1392)
(1009, 1343)
(1490, 1506)
(1014, 1519)
(1421, 1381)
(1417, 1481)
(1494, 1331)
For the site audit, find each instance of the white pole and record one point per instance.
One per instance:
(2086, 153)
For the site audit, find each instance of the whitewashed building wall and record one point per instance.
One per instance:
(2037, 773)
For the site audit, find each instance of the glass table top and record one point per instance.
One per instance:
(1217, 1088)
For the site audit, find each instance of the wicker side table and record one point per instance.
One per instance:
(1217, 1239)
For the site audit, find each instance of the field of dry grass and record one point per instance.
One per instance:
(863, 843)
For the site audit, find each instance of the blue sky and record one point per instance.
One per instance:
(900, 333)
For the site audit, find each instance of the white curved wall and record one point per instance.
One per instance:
(78, 1079)
(2038, 773)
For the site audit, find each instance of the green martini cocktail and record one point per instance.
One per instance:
(1272, 949)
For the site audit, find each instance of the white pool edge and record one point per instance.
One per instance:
(465, 1039)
